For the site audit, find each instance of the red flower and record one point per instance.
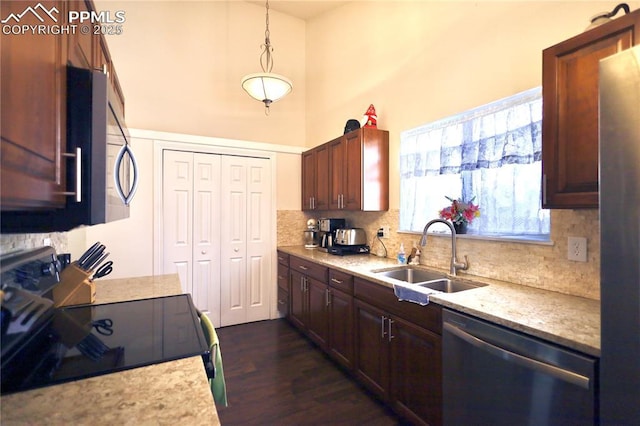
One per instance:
(460, 211)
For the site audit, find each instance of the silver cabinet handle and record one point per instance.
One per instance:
(390, 334)
(533, 364)
(78, 156)
(304, 268)
(382, 327)
(336, 281)
(328, 296)
(116, 174)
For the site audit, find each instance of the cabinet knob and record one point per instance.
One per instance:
(236, 249)
(203, 252)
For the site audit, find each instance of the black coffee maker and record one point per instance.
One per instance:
(328, 227)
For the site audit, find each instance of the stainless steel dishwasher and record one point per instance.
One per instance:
(496, 376)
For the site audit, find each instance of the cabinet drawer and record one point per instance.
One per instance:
(309, 269)
(428, 317)
(283, 276)
(283, 258)
(341, 281)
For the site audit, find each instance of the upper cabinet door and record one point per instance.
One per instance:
(337, 171)
(570, 111)
(33, 114)
(308, 180)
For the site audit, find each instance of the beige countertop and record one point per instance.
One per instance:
(570, 321)
(175, 392)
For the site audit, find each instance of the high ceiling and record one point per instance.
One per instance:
(302, 9)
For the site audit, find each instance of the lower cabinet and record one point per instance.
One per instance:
(399, 352)
(393, 348)
(308, 299)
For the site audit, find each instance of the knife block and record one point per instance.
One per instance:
(74, 288)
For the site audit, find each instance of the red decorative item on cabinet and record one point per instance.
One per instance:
(370, 118)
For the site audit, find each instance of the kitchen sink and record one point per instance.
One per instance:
(410, 274)
(427, 279)
(446, 285)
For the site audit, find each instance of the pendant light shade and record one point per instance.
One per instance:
(266, 86)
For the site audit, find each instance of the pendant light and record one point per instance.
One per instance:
(266, 86)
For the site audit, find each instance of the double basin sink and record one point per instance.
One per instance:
(426, 279)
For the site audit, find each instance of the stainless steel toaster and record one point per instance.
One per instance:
(350, 237)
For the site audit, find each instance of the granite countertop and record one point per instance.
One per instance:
(174, 392)
(570, 321)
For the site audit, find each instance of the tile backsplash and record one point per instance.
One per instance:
(13, 242)
(542, 266)
(536, 265)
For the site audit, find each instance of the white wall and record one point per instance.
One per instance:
(180, 64)
(419, 61)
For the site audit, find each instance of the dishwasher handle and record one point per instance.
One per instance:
(552, 370)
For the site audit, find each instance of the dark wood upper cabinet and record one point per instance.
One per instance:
(356, 172)
(33, 117)
(33, 164)
(570, 111)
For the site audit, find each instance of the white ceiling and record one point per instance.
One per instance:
(302, 9)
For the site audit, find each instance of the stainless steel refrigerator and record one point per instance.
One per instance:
(620, 238)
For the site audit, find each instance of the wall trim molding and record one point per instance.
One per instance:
(215, 142)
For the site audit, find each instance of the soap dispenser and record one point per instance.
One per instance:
(401, 255)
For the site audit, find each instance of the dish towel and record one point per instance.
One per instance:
(411, 294)
(218, 385)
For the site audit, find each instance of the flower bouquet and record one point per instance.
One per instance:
(460, 213)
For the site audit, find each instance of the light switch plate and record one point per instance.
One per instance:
(577, 249)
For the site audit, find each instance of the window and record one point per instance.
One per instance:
(492, 153)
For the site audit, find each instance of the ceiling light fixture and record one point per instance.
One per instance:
(266, 86)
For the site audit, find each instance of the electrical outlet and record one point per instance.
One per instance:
(577, 249)
(385, 232)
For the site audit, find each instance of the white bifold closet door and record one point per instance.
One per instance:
(246, 257)
(216, 236)
(191, 216)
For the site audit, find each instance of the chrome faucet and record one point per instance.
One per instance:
(454, 265)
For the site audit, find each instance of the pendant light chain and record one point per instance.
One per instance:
(266, 87)
(267, 65)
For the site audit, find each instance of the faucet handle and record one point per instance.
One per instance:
(461, 265)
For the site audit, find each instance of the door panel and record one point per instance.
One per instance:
(206, 235)
(416, 385)
(318, 320)
(341, 327)
(233, 238)
(258, 228)
(372, 349)
(177, 196)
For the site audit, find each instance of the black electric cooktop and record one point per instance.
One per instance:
(90, 340)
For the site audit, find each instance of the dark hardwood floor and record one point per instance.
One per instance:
(275, 376)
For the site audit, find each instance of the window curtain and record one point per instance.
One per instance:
(492, 153)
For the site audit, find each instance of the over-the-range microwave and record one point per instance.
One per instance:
(104, 178)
